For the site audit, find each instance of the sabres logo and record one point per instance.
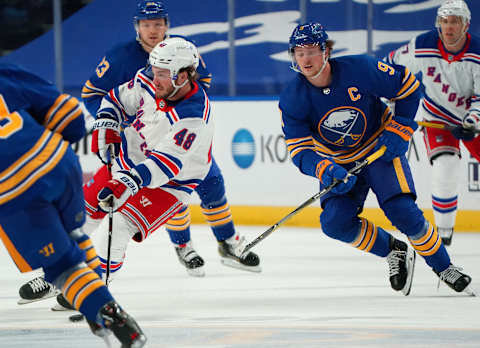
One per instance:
(343, 126)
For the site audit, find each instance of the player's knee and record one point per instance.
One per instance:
(212, 189)
(337, 225)
(404, 214)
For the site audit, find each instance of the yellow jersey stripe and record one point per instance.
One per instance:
(63, 108)
(41, 164)
(397, 164)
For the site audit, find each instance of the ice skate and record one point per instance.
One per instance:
(36, 289)
(446, 234)
(62, 304)
(190, 259)
(121, 324)
(401, 262)
(230, 251)
(456, 280)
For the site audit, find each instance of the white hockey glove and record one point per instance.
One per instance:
(472, 120)
(106, 138)
(117, 191)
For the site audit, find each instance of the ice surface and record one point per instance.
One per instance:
(313, 292)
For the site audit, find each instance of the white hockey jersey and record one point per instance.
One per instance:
(451, 81)
(168, 143)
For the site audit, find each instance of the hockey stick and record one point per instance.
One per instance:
(445, 126)
(79, 317)
(374, 156)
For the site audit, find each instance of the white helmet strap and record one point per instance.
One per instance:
(176, 88)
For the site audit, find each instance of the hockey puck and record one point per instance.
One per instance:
(76, 318)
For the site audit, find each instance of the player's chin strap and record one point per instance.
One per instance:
(176, 88)
(459, 39)
(295, 67)
(325, 61)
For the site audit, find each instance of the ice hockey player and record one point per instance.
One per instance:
(41, 199)
(332, 116)
(448, 58)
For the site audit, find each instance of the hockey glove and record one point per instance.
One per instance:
(329, 172)
(106, 138)
(462, 133)
(396, 136)
(472, 120)
(117, 191)
(470, 125)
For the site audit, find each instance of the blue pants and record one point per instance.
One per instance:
(214, 207)
(37, 234)
(393, 186)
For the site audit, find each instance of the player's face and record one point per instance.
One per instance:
(162, 82)
(453, 29)
(152, 31)
(309, 59)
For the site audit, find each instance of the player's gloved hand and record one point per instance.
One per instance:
(472, 120)
(118, 190)
(470, 126)
(329, 172)
(462, 133)
(396, 136)
(106, 138)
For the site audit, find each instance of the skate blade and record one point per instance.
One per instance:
(235, 264)
(23, 301)
(469, 291)
(411, 267)
(196, 272)
(59, 308)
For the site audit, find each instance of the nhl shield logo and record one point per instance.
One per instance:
(343, 126)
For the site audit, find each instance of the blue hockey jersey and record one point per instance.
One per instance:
(343, 121)
(36, 125)
(120, 65)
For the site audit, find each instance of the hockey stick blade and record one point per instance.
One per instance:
(373, 157)
(76, 318)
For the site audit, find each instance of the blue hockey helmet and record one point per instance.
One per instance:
(150, 10)
(308, 34)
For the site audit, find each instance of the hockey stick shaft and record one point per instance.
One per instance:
(110, 225)
(80, 316)
(376, 155)
(441, 126)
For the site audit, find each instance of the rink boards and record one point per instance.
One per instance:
(263, 185)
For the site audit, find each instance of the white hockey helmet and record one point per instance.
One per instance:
(174, 54)
(453, 8)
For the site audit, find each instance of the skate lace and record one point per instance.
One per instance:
(38, 285)
(394, 259)
(451, 274)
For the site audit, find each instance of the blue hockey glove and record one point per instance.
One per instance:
(328, 172)
(470, 124)
(395, 137)
(462, 133)
(117, 191)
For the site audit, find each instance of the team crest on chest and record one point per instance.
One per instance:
(343, 126)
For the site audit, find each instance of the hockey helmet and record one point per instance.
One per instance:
(174, 54)
(308, 34)
(453, 8)
(150, 10)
